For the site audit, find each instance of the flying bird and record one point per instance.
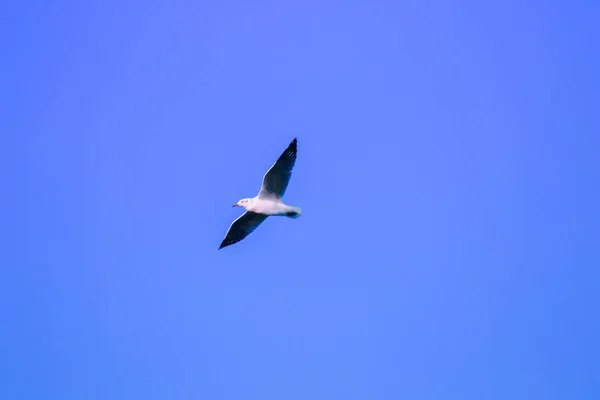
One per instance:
(268, 201)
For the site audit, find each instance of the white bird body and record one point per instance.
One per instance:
(268, 201)
(271, 207)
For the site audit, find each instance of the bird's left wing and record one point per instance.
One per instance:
(276, 179)
(242, 227)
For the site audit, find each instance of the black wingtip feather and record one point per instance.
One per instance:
(289, 154)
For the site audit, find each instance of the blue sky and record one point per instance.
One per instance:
(447, 169)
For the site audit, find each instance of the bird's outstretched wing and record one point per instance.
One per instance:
(276, 179)
(242, 227)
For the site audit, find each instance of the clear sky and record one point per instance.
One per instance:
(448, 170)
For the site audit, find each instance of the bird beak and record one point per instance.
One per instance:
(236, 205)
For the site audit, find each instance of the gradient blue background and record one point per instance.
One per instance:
(448, 170)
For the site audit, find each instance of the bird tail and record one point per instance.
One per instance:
(294, 212)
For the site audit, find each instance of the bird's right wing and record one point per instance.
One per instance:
(242, 227)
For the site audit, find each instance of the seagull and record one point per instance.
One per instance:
(268, 201)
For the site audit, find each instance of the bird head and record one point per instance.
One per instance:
(243, 203)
